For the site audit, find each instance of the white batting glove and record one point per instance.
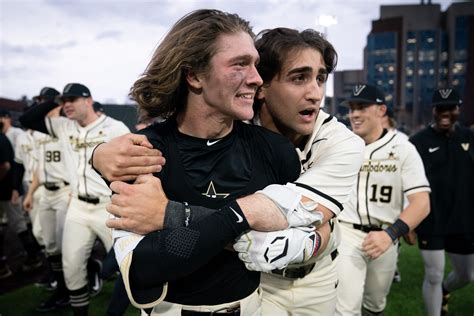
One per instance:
(266, 251)
(289, 202)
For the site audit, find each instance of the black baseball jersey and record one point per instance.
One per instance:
(211, 173)
(449, 167)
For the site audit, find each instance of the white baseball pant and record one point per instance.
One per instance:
(363, 281)
(84, 222)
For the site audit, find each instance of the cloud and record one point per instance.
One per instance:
(108, 35)
(106, 44)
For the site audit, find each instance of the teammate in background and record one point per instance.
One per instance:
(371, 222)
(447, 150)
(17, 219)
(215, 157)
(294, 66)
(79, 133)
(51, 174)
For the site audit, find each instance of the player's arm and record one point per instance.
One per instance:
(34, 118)
(28, 200)
(414, 179)
(126, 157)
(141, 208)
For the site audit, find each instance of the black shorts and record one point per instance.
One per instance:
(459, 244)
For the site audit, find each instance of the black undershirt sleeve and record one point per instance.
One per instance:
(171, 254)
(175, 214)
(34, 117)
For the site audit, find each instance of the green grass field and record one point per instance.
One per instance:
(405, 298)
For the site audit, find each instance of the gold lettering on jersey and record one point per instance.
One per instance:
(211, 192)
(371, 166)
(465, 146)
(47, 140)
(26, 148)
(78, 143)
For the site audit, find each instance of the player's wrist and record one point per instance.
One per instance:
(397, 229)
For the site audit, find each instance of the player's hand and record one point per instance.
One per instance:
(28, 203)
(15, 199)
(139, 207)
(126, 157)
(266, 251)
(376, 243)
(289, 201)
(410, 238)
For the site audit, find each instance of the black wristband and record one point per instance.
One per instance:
(398, 229)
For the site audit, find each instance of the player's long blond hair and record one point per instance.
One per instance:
(190, 44)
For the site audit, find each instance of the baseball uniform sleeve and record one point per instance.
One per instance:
(34, 118)
(333, 169)
(413, 172)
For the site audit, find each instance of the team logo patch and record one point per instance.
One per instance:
(211, 192)
(445, 93)
(358, 89)
(465, 146)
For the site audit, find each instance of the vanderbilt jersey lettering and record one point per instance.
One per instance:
(78, 143)
(391, 165)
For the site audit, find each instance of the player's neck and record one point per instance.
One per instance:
(374, 135)
(203, 123)
(89, 119)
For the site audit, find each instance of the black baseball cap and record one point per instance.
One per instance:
(47, 93)
(366, 94)
(75, 90)
(447, 96)
(5, 113)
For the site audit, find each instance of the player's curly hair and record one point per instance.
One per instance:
(274, 46)
(162, 90)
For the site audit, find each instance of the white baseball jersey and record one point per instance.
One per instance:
(330, 159)
(13, 134)
(52, 166)
(26, 154)
(79, 142)
(392, 167)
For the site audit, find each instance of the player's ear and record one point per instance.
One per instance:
(193, 79)
(261, 92)
(382, 110)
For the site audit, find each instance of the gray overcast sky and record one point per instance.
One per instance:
(106, 44)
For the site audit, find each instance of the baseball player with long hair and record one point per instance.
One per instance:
(375, 217)
(447, 150)
(79, 132)
(294, 66)
(208, 149)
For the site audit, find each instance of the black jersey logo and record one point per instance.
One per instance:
(211, 192)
